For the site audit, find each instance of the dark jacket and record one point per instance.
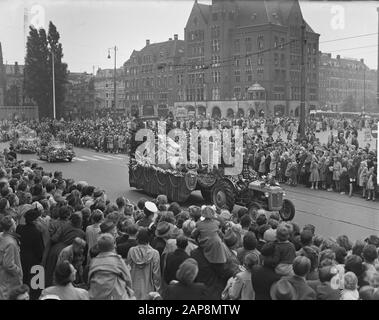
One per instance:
(285, 252)
(123, 247)
(180, 291)
(173, 261)
(325, 292)
(213, 275)
(262, 278)
(303, 290)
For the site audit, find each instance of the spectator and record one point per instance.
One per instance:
(64, 275)
(175, 259)
(145, 266)
(109, 277)
(10, 262)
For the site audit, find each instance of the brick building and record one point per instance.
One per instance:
(341, 84)
(153, 77)
(244, 58)
(80, 94)
(104, 89)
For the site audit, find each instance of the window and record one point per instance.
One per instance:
(282, 43)
(282, 60)
(260, 42)
(215, 31)
(215, 45)
(216, 76)
(215, 61)
(180, 79)
(276, 42)
(237, 45)
(248, 62)
(236, 61)
(249, 44)
(215, 93)
(237, 92)
(260, 60)
(276, 59)
(237, 74)
(231, 15)
(214, 16)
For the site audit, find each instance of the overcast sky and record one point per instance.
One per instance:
(89, 28)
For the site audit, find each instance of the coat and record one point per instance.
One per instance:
(31, 249)
(213, 275)
(262, 278)
(173, 261)
(109, 278)
(242, 288)
(181, 291)
(145, 270)
(10, 264)
(303, 290)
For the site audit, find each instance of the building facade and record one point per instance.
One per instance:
(2, 78)
(80, 94)
(153, 77)
(246, 54)
(104, 89)
(346, 84)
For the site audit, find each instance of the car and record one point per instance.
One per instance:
(55, 151)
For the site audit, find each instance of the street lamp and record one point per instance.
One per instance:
(53, 69)
(114, 74)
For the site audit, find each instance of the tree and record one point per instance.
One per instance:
(38, 70)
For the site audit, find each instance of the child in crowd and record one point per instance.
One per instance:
(350, 290)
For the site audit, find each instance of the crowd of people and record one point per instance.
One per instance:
(92, 248)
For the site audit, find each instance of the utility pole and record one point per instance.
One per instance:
(114, 76)
(302, 82)
(377, 90)
(53, 68)
(364, 88)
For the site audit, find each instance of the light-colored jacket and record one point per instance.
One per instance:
(145, 270)
(109, 278)
(10, 264)
(242, 289)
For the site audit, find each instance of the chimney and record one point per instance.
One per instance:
(147, 42)
(16, 69)
(363, 60)
(169, 39)
(329, 55)
(338, 56)
(175, 37)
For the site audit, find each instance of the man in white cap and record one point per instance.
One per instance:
(149, 211)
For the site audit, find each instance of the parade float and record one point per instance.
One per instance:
(224, 191)
(55, 151)
(24, 140)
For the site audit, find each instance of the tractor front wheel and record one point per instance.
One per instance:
(223, 195)
(287, 213)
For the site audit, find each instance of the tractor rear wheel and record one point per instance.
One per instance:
(207, 195)
(287, 213)
(223, 195)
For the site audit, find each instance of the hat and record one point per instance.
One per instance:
(373, 239)
(107, 226)
(283, 290)
(98, 193)
(230, 239)
(163, 229)
(151, 206)
(269, 235)
(225, 214)
(366, 293)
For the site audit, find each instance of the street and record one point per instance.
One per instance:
(332, 214)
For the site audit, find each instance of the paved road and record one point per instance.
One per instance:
(332, 214)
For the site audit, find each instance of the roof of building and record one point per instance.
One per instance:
(162, 50)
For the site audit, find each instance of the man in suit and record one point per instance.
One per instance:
(175, 259)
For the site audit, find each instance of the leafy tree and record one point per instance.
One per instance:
(38, 70)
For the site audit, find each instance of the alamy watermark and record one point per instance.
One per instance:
(160, 151)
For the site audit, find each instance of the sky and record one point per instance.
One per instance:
(89, 28)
